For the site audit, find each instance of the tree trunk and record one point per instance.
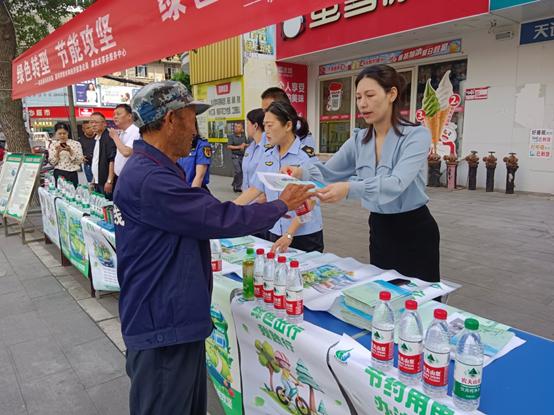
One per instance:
(11, 112)
(312, 400)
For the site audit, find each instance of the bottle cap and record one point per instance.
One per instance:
(270, 255)
(282, 260)
(440, 314)
(411, 305)
(260, 251)
(249, 251)
(294, 264)
(384, 296)
(471, 324)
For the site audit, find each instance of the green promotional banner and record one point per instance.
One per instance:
(10, 168)
(49, 217)
(102, 256)
(222, 356)
(23, 187)
(71, 235)
(283, 365)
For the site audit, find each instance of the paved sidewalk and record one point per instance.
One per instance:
(54, 358)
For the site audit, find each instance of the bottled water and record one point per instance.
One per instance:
(269, 275)
(382, 333)
(280, 290)
(78, 196)
(436, 354)
(294, 296)
(468, 371)
(259, 266)
(410, 344)
(86, 199)
(92, 202)
(215, 248)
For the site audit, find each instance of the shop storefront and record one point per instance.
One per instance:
(470, 54)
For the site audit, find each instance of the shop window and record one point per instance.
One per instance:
(335, 113)
(141, 71)
(448, 136)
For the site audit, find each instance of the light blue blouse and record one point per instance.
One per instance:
(396, 184)
(272, 161)
(254, 152)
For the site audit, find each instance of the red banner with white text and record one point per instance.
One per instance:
(112, 35)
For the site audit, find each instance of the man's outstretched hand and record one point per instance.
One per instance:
(296, 194)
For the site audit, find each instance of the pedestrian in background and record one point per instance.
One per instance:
(65, 154)
(87, 144)
(124, 138)
(103, 156)
(237, 144)
(197, 164)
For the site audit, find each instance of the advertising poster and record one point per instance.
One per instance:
(293, 79)
(373, 392)
(110, 96)
(49, 217)
(10, 168)
(282, 365)
(540, 144)
(102, 257)
(24, 186)
(71, 235)
(222, 355)
(86, 93)
(260, 43)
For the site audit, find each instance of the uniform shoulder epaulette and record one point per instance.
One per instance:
(309, 151)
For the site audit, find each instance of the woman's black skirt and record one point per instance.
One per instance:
(406, 242)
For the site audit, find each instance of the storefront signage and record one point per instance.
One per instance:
(504, 4)
(293, 79)
(538, 31)
(350, 21)
(403, 55)
(540, 144)
(477, 94)
(63, 112)
(103, 39)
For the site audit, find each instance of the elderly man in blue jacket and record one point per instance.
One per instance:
(163, 228)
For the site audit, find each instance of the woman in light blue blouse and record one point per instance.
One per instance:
(385, 166)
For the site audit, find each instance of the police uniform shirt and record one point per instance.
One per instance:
(308, 140)
(271, 161)
(394, 185)
(252, 156)
(201, 153)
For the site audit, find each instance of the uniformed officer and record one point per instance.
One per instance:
(197, 164)
(163, 228)
(256, 148)
(237, 144)
(280, 125)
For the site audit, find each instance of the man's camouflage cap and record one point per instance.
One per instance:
(155, 100)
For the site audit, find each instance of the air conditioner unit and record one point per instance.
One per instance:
(504, 35)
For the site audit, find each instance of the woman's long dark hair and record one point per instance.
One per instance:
(387, 77)
(256, 117)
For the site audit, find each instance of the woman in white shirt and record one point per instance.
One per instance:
(65, 155)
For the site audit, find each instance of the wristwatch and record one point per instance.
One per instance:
(289, 236)
(109, 181)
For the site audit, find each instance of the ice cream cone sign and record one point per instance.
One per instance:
(438, 107)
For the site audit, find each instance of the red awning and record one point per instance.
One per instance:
(112, 35)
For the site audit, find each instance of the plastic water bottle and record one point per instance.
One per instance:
(269, 276)
(304, 212)
(294, 299)
(217, 266)
(78, 196)
(86, 199)
(280, 290)
(382, 334)
(410, 344)
(468, 371)
(259, 266)
(248, 275)
(436, 356)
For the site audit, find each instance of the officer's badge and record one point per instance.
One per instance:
(268, 146)
(309, 151)
(208, 151)
(245, 155)
(269, 163)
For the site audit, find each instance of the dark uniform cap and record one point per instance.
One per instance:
(155, 100)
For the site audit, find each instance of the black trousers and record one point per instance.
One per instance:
(169, 380)
(237, 168)
(406, 242)
(71, 176)
(308, 243)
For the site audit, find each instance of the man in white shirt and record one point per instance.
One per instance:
(128, 133)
